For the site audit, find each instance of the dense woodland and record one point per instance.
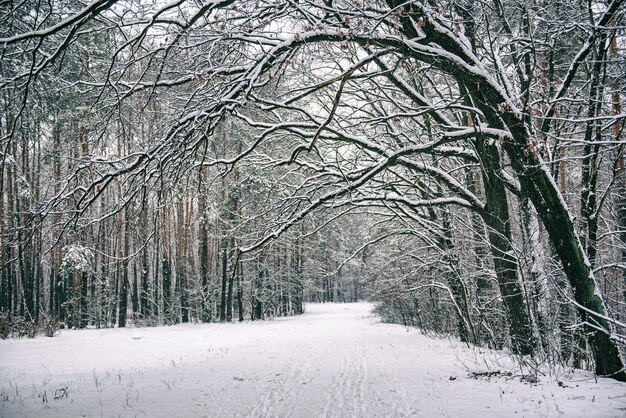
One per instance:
(459, 161)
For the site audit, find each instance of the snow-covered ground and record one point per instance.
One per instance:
(335, 360)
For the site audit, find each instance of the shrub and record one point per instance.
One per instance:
(16, 327)
(22, 327)
(50, 324)
(5, 325)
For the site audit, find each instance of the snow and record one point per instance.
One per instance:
(335, 360)
(77, 257)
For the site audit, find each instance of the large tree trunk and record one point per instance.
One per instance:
(537, 184)
(535, 181)
(497, 218)
(203, 238)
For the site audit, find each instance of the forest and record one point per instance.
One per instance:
(458, 162)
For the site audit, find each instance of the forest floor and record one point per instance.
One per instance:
(335, 360)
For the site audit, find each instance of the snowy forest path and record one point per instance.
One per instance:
(336, 360)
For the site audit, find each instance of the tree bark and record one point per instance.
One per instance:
(240, 291)
(542, 191)
(497, 218)
(224, 279)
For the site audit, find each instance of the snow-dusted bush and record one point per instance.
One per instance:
(23, 327)
(50, 325)
(5, 325)
(76, 257)
(16, 327)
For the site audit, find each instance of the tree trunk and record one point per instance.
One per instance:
(457, 287)
(123, 289)
(4, 282)
(589, 178)
(181, 277)
(240, 291)
(203, 238)
(537, 280)
(497, 219)
(229, 295)
(145, 267)
(224, 279)
(538, 186)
